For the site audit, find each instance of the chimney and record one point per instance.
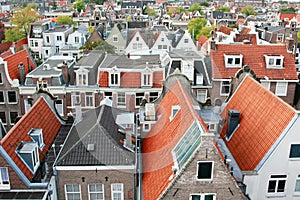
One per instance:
(12, 49)
(290, 44)
(233, 122)
(213, 45)
(28, 64)
(78, 113)
(22, 73)
(128, 132)
(65, 71)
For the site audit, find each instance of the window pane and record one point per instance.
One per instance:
(12, 96)
(204, 170)
(3, 117)
(281, 185)
(196, 197)
(13, 117)
(209, 197)
(295, 151)
(272, 185)
(297, 187)
(1, 97)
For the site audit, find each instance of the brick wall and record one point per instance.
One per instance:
(92, 177)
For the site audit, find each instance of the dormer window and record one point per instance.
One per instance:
(280, 37)
(36, 135)
(274, 62)
(4, 179)
(174, 111)
(115, 38)
(137, 39)
(146, 79)
(205, 170)
(42, 84)
(28, 152)
(233, 60)
(82, 77)
(114, 78)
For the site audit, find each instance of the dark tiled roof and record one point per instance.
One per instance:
(97, 127)
(263, 120)
(254, 57)
(41, 116)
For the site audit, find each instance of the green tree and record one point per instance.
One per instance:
(14, 34)
(298, 36)
(224, 8)
(205, 3)
(206, 31)
(79, 5)
(151, 12)
(282, 10)
(91, 29)
(248, 10)
(23, 17)
(99, 45)
(65, 20)
(175, 10)
(195, 7)
(195, 25)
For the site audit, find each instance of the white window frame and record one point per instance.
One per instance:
(27, 105)
(295, 157)
(274, 58)
(266, 84)
(280, 37)
(115, 38)
(60, 107)
(34, 156)
(201, 93)
(39, 133)
(4, 186)
(174, 111)
(212, 170)
(96, 192)
(72, 192)
(147, 79)
(89, 99)
(222, 85)
(75, 96)
(276, 193)
(15, 102)
(120, 96)
(153, 97)
(279, 86)
(76, 39)
(112, 81)
(113, 192)
(58, 38)
(199, 79)
(3, 102)
(146, 127)
(203, 195)
(297, 185)
(233, 64)
(140, 97)
(47, 39)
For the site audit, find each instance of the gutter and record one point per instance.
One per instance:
(19, 172)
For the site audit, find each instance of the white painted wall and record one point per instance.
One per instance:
(278, 163)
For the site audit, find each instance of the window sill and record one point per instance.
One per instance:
(294, 159)
(275, 195)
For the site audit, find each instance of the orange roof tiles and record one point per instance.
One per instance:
(202, 39)
(287, 15)
(164, 135)
(39, 116)
(263, 118)
(254, 57)
(14, 60)
(226, 30)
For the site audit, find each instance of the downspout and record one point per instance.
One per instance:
(20, 173)
(56, 183)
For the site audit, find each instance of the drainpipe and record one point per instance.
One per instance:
(56, 182)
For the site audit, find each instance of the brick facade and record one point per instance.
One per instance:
(97, 177)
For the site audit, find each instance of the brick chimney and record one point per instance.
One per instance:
(213, 45)
(65, 71)
(22, 73)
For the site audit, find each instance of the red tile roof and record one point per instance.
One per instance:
(163, 137)
(18, 46)
(226, 30)
(202, 39)
(5, 46)
(253, 56)
(39, 116)
(287, 15)
(263, 118)
(14, 60)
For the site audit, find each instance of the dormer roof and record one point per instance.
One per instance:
(40, 116)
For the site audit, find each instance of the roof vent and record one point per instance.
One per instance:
(46, 67)
(91, 147)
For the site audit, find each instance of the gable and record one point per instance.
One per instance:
(263, 119)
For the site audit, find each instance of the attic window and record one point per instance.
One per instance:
(91, 147)
(36, 135)
(233, 123)
(233, 60)
(28, 152)
(174, 111)
(274, 61)
(205, 170)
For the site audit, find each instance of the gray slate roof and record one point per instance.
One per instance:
(97, 127)
(134, 62)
